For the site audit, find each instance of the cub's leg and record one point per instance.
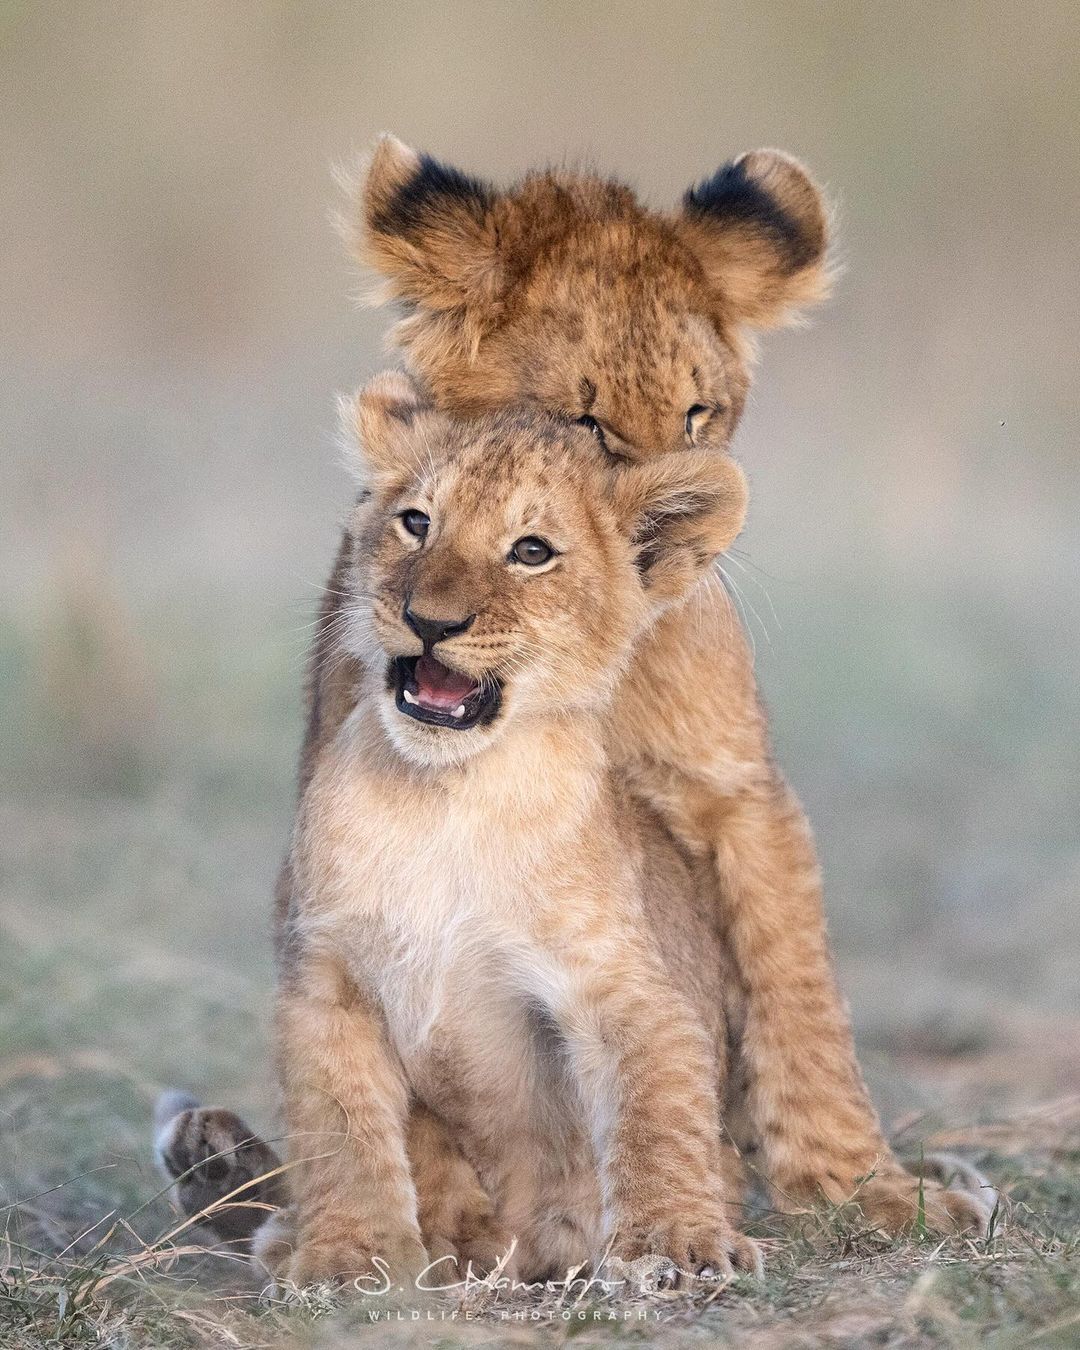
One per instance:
(690, 727)
(346, 1109)
(810, 1108)
(648, 1072)
(210, 1153)
(457, 1218)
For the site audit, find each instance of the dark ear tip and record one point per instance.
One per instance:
(770, 191)
(771, 171)
(789, 182)
(406, 190)
(715, 191)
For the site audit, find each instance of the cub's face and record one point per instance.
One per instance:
(638, 364)
(502, 567)
(567, 294)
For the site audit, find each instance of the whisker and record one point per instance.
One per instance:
(728, 583)
(742, 553)
(760, 587)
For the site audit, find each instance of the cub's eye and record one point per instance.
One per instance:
(696, 416)
(531, 551)
(591, 424)
(415, 523)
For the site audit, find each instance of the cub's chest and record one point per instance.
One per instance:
(412, 857)
(438, 919)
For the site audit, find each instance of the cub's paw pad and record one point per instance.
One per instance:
(208, 1154)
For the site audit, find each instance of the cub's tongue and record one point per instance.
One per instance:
(437, 687)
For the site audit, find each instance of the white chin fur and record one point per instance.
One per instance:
(432, 747)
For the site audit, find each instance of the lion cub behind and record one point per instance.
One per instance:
(482, 919)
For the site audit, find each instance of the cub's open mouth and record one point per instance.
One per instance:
(433, 693)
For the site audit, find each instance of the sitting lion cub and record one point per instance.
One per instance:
(483, 919)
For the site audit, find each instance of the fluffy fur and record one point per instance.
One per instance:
(483, 920)
(567, 294)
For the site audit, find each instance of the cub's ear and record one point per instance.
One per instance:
(759, 228)
(428, 229)
(378, 425)
(681, 511)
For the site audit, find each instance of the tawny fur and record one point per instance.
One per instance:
(567, 294)
(486, 922)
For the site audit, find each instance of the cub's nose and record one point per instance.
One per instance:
(430, 631)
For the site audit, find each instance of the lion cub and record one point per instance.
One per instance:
(568, 294)
(482, 919)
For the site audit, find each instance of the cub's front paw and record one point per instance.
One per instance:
(894, 1205)
(482, 1245)
(372, 1264)
(683, 1249)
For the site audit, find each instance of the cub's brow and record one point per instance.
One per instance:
(619, 435)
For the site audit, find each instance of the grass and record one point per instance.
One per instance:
(135, 871)
(828, 1282)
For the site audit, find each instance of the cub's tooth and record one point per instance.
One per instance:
(459, 711)
(410, 698)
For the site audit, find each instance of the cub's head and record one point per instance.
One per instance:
(568, 294)
(502, 567)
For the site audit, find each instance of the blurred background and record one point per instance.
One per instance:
(178, 317)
